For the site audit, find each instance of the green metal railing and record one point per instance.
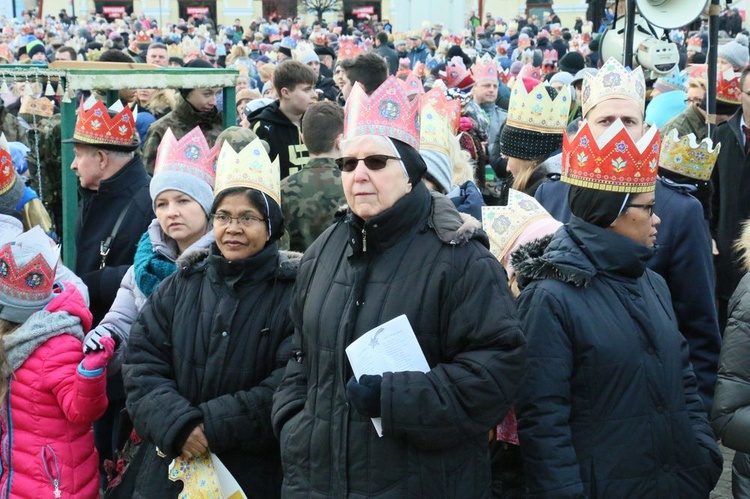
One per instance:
(112, 80)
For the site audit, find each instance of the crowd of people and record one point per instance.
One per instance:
(568, 243)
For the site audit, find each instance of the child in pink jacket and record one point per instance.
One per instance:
(50, 392)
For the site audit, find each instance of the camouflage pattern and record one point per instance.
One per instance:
(181, 120)
(309, 201)
(238, 137)
(48, 132)
(11, 127)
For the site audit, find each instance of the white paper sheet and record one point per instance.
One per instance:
(229, 486)
(390, 347)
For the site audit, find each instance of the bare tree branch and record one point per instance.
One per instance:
(320, 7)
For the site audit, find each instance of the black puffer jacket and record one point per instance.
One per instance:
(416, 258)
(608, 405)
(209, 347)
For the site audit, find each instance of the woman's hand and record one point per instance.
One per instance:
(196, 444)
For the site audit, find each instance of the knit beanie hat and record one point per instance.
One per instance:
(439, 167)
(195, 64)
(572, 62)
(308, 56)
(34, 47)
(736, 52)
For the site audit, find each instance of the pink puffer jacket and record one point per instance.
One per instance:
(47, 441)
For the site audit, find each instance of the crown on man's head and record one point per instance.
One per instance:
(95, 126)
(191, 154)
(536, 111)
(27, 269)
(684, 155)
(484, 69)
(613, 162)
(728, 87)
(695, 44)
(613, 81)
(175, 50)
(387, 112)
(438, 120)
(250, 167)
(348, 49)
(38, 107)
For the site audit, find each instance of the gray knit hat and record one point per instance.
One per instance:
(736, 52)
(10, 198)
(438, 167)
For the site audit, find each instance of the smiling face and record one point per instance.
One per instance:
(180, 217)
(636, 223)
(370, 192)
(234, 240)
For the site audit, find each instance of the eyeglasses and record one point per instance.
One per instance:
(244, 221)
(373, 162)
(648, 207)
(697, 102)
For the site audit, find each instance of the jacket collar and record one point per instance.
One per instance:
(184, 112)
(256, 268)
(321, 163)
(123, 181)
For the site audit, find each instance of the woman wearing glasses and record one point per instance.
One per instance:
(399, 250)
(209, 346)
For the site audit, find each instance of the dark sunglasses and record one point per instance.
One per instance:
(648, 207)
(374, 162)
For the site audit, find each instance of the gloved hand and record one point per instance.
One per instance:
(92, 342)
(99, 359)
(365, 395)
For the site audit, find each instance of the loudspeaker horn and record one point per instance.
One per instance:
(670, 14)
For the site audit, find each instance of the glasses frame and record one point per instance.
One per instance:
(251, 219)
(341, 162)
(648, 207)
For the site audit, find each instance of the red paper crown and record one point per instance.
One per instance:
(33, 279)
(728, 87)
(412, 85)
(484, 69)
(191, 154)
(613, 162)
(142, 37)
(348, 49)
(456, 75)
(550, 56)
(96, 127)
(454, 39)
(387, 112)
(7, 171)
(504, 75)
(529, 71)
(524, 42)
(695, 43)
(698, 71)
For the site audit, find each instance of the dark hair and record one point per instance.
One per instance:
(288, 74)
(321, 124)
(382, 37)
(114, 55)
(69, 50)
(369, 69)
(258, 200)
(156, 45)
(743, 77)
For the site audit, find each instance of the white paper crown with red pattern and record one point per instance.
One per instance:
(456, 75)
(191, 154)
(728, 87)
(684, 155)
(387, 112)
(613, 81)
(484, 69)
(613, 162)
(27, 274)
(7, 170)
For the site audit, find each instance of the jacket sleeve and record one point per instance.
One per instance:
(730, 415)
(544, 399)
(83, 399)
(119, 320)
(243, 419)
(159, 412)
(151, 146)
(473, 388)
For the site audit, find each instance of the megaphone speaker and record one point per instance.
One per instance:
(671, 14)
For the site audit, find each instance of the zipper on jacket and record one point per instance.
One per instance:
(9, 429)
(53, 478)
(364, 240)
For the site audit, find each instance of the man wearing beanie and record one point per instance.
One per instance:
(734, 55)
(193, 107)
(606, 361)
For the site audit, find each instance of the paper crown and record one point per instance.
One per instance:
(456, 75)
(698, 71)
(529, 71)
(250, 167)
(7, 171)
(38, 107)
(549, 56)
(524, 42)
(484, 69)
(728, 87)
(27, 267)
(412, 85)
(504, 75)
(191, 45)
(438, 121)
(611, 82)
(503, 224)
(687, 157)
(613, 162)
(387, 112)
(536, 111)
(175, 50)
(94, 54)
(695, 44)
(675, 81)
(143, 37)
(419, 70)
(513, 25)
(556, 30)
(96, 127)
(191, 154)
(454, 39)
(348, 49)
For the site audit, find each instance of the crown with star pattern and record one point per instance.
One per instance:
(536, 111)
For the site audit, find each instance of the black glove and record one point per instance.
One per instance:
(365, 395)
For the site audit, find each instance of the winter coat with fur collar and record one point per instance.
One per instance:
(421, 259)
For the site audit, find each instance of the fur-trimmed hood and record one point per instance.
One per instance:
(549, 258)
(453, 227)
(742, 246)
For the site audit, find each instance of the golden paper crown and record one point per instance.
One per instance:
(513, 25)
(613, 81)
(38, 107)
(613, 162)
(250, 167)
(438, 121)
(94, 54)
(175, 50)
(687, 157)
(535, 110)
(191, 45)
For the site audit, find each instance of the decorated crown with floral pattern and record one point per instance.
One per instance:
(27, 267)
(536, 111)
(530, 71)
(438, 120)
(456, 75)
(250, 167)
(684, 155)
(387, 112)
(412, 85)
(38, 107)
(95, 126)
(484, 69)
(348, 49)
(7, 170)
(613, 81)
(613, 162)
(191, 154)
(728, 87)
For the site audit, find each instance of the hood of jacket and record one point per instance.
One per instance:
(271, 113)
(577, 252)
(67, 313)
(184, 112)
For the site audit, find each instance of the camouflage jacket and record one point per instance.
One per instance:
(46, 178)
(309, 201)
(181, 120)
(11, 127)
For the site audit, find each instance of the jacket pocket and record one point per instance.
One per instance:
(51, 469)
(294, 439)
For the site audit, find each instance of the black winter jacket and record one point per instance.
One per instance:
(283, 137)
(607, 404)
(209, 347)
(416, 258)
(98, 212)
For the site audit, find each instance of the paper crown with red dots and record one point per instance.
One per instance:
(613, 162)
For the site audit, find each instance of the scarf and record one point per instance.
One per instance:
(150, 267)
